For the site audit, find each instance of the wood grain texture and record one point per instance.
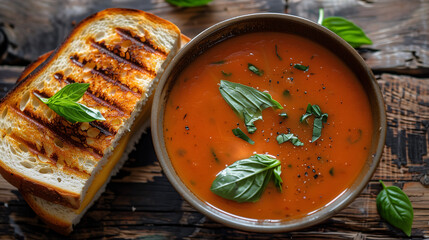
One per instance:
(407, 107)
(140, 202)
(399, 30)
(45, 23)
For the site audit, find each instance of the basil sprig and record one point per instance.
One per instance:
(65, 104)
(281, 138)
(247, 102)
(245, 180)
(188, 3)
(319, 119)
(239, 133)
(394, 206)
(346, 29)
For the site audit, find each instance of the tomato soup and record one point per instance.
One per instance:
(198, 123)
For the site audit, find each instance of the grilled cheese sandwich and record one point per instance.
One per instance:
(60, 167)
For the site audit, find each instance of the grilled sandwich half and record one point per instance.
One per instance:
(61, 166)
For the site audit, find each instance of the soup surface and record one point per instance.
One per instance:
(198, 123)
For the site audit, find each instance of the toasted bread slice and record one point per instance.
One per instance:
(62, 219)
(183, 39)
(120, 53)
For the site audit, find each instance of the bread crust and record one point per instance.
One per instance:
(52, 194)
(54, 222)
(69, 149)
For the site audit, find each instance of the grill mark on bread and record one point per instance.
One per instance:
(102, 48)
(134, 38)
(88, 92)
(58, 132)
(104, 127)
(106, 77)
(76, 172)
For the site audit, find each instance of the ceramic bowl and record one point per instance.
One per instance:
(278, 23)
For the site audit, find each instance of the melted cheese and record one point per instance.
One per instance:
(104, 174)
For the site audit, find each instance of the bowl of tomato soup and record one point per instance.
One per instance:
(268, 123)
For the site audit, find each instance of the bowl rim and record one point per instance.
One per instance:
(336, 205)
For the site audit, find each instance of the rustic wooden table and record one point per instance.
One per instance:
(140, 202)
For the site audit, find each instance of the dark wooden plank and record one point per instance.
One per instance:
(397, 28)
(39, 26)
(407, 107)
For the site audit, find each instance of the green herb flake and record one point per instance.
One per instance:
(282, 138)
(218, 62)
(238, 133)
(212, 151)
(331, 171)
(283, 115)
(319, 119)
(286, 93)
(226, 74)
(395, 207)
(245, 180)
(247, 102)
(307, 113)
(346, 29)
(255, 70)
(277, 53)
(65, 104)
(188, 3)
(300, 67)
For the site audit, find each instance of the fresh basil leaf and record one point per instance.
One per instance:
(225, 74)
(238, 133)
(245, 180)
(188, 3)
(324, 117)
(255, 70)
(300, 67)
(74, 112)
(64, 103)
(394, 206)
(278, 182)
(315, 109)
(319, 119)
(72, 92)
(277, 53)
(317, 129)
(282, 138)
(44, 100)
(346, 29)
(283, 115)
(307, 113)
(247, 102)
